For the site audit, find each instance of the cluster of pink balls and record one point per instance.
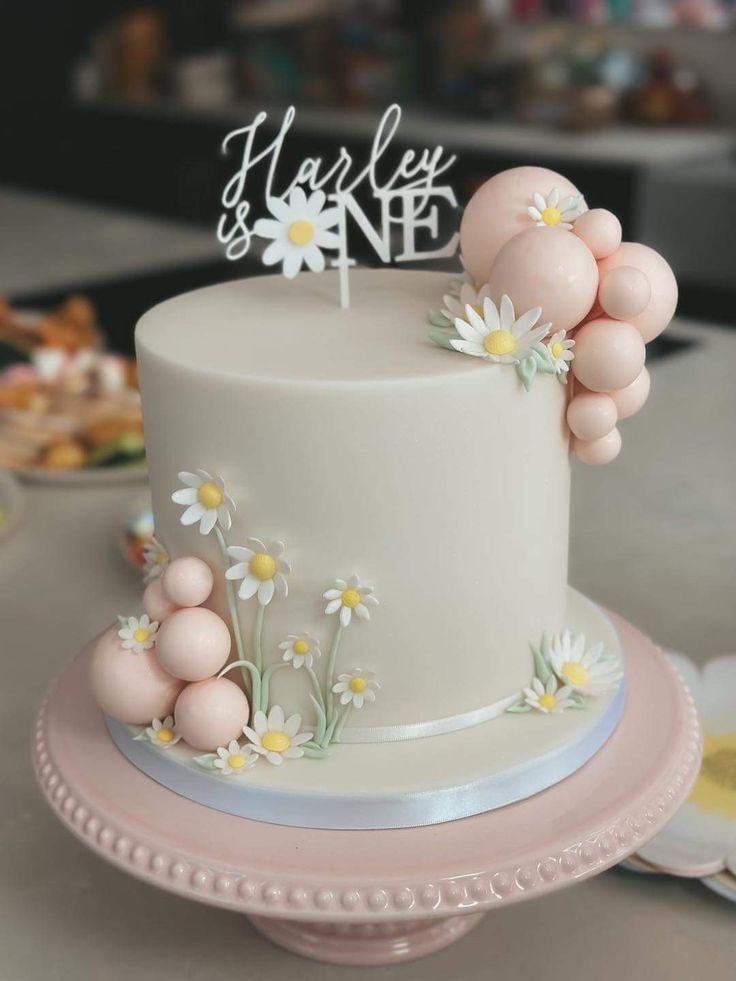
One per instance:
(613, 297)
(178, 674)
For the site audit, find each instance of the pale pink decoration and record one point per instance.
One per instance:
(598, 451)
(661, 307)
(193, 644)
(188, 581)
(548, 268)
(630, 399)
(591, 415)
(156, 604)
(498, 211)
(132, 688)
(624, 293)
(609, 354)
(210, 713)
(600, 230)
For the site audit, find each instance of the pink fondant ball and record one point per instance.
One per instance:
(193, 644)
(210, 713)
(609, 354)
(598, 451)
(548, 268)
(498, 211)
(663, 300)
(600, 230)
(591, 415)
(188, 581)
(630, 399)
(155, 602)
(132, 688)
(624, 292)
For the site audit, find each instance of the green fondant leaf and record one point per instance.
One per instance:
(321, 720)
(526, 370)
(206, 761)
(141, 735)
(315, 752)
(541, 664)
(438, 319)
(541, 354)
(123, 621)
(519, 708)
(578, 701)
(443, 335)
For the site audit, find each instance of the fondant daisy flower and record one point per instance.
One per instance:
(155, 560)
(138, 635)
(275, 737)
(588, 672)
(300, 649)
(551, 699)
(356, 687)
(162, 733)
(205, 500)
(349, 596)
(299, 229)
(234, 758)
(262, 569)
(499, 336)
(468, 296)
(550, 212)
(560, 351)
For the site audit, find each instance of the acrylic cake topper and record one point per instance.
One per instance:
(309, 216)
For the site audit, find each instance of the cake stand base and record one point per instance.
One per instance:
(376, 897)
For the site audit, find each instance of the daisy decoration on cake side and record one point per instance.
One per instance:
(205, 501)
(560, 352)
(262, 569)
(162, 733)
(588, 672)
(356, 687)
(138, 634)
(551, 212)
(276, 737)
(350, 597)
(234, 759)
(499, 335)
(549, 698)
(300, 650)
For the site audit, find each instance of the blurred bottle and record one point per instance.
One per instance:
(138, 49)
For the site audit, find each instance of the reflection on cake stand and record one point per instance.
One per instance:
(376, 897)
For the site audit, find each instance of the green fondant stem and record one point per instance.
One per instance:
(258, 637)
(341, 724)
(316, 686)
(330, 677)
(250, 671)
(267, 683)
(232, 602)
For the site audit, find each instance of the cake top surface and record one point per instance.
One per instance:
(269, 328)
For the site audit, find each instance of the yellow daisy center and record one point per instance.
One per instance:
(358, 685)
(301, 647)
(165, 735)
(557, 349)
(551, 216)
(500, 342)
(263, 566)
(575, 672)
(236, 761)
(140, 636)
(210, 495)
(351, 598)
(715, 788)
(275, 741)
(547, 701)
(301, 232)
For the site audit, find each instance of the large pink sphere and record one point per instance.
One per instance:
(609, 354)
(548, 268)
(600, 230)
(188, 581)
(598, 451)
(498, 211)
(663, 301)
(630, 399)
(624, 292)
(591, 415)
(193, 644)
(210, 713)
(132, 688)
(156, 604)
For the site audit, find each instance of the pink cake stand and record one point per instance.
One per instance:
(376, 897)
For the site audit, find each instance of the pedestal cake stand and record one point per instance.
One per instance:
(376, 897)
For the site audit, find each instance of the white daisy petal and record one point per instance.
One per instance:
(193, 514)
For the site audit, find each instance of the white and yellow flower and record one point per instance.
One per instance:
(560, 351)
(206, 501)
(162, 733)
(499, 335)
(234, 759)
(276, 737)
(262, 568)
(300, 650)
(588, 672)
(551, 699)
(468, 296)
(356, 688)
(299, 229)
(551, 212)
(155, 560)
(349, 597)
(138, 634)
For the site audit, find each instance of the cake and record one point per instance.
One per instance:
(357, 613)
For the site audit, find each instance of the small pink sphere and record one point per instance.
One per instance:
(624, 292)
(193, 644)
(609, 354)
(210, 713)
(132, 688)
(591, 415)
(547, 268)
(630, 399)
(663, 286)
(188, 581)
(600, 230)
(498, 211)
(598, 451)
(155, 602)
